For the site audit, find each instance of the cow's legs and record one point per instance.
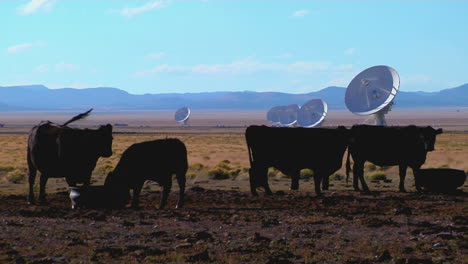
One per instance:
(317, 182)
(295, 179)
(32, 178)
(42, 186)
(326, 182)
(181, 182)
(165, 193)
(358, 175)
(136, 195)
(402, 177)
(416, 178)
(258, 177)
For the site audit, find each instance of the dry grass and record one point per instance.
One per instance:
(207, 150)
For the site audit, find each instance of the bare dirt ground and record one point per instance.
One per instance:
(221, 221)
(231, 226)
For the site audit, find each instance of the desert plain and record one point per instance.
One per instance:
(221, 222)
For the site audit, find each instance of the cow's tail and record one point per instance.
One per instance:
(348, 166)
(78, 117)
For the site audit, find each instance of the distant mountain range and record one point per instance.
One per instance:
(39, 97)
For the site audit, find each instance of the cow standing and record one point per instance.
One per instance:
(292, 149)
(155, 160)
(58, 151)
(389, 146)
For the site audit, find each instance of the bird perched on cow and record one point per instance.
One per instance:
(405, 146)
(291, 149)
(58, 151)
(155, 160)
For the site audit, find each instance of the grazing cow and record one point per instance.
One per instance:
(58, 151)
(389, 146)
(442, 180)
(155, 160)
(292, 149)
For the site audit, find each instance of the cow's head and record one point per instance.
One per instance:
(118, 190)
(103, 141)
(428, 135)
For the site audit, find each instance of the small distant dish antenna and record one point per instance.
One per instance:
(312, 113)
(372, 91)
(182, 116)
(273, 115)
(288, 115)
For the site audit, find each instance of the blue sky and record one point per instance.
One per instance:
(149, 46)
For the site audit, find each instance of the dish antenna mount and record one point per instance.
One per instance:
(372, 91)
(312, 113)
(182, 116)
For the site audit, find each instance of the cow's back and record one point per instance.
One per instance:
(314, 148)
(387, 146)
(162, 155)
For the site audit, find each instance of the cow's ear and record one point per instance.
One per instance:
(439, 131)
(107, 127)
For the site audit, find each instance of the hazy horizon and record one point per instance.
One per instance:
(157, 46)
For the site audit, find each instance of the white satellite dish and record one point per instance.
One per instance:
(182, 116)
(288, 115)
(312, 113)
(372, 91)
(273, 115)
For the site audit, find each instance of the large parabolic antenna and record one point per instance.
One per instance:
(312, 113)
(273, 115)
(182, 116)
(288, 115)
(372, 91)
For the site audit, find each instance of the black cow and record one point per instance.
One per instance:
(292, 149)
(155, 160)
(389, 146)
(443, 180)
(59, 151)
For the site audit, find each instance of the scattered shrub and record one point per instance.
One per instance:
(336, 177)
(191, 175)
(306, 174)
(196, 167)
(245, 170)
(234, 173)
(16, 176)
(6, 169)
(105, 169)
(371, 167)
(224, 165)
(384, 168)
(377, 176)
(218, 174)
(443, 166)
(272, 172)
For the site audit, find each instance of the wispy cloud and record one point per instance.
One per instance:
(247, 66)
(42, 68)
(35, 6)
(350, 51)
(301, 13)
(22, 47)
(66, 67)
(133, 11)
(155, 56)
(19, 48)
